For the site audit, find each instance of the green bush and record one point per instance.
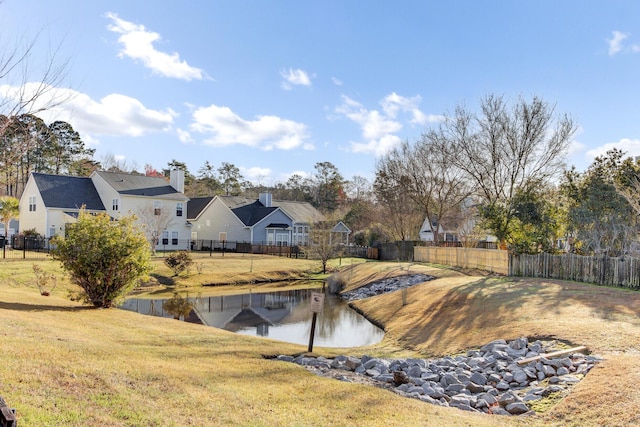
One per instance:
(105, 258)
(178, 262)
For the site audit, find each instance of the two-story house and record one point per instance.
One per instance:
(49, 202)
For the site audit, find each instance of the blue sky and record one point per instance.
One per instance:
(276, 86)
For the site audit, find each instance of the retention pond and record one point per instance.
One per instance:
(284, 316)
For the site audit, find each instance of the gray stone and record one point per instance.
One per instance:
(507, 398)
(428, 399)
(285, 358)
(548, 371)
(494, 378)
(478, 378)
(448, 379)
(415, 389)
(489, 398)
(502, 385)
(415, 371)
(520, 376)
(372, 372)
(489, 346)
(430, 376)
(475, 388)
(499, 411)
(459, 399)
(453, 389)
(517, 408)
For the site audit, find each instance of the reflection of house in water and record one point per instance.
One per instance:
(238, 312)
(231, 312)
(154, 307)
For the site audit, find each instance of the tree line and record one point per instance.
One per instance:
(501, 171)
(498, 172)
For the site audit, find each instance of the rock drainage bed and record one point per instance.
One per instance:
(385, 286)
(488, 380)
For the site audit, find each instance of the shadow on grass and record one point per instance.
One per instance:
(491, 303)
(18, 306)
(163, 280)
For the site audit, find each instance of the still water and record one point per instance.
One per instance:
(284, 316)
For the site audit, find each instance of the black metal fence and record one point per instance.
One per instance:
(211, 246)
(23, 247)
(34, 247)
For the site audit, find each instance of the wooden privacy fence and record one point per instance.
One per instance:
(483, 259)
(622, 272)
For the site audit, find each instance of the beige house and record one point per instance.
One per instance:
(261, 221)
(49, 202)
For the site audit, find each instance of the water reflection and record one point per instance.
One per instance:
(285, 316)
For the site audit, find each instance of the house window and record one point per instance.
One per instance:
(282, 239)
(179, 209)
(32, 203)
(115, 205)
(174, 238)
(157, 208)
(165, 237)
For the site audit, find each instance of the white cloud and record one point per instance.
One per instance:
(114, 114)
(265, 132)
(393, 104)
(184, 136)
(420, 118)
(256, 174)
(615, 43)
(296, 77)
(137, 44)
(630, 146)
(379, 147)
(373, 124)
(336, 81)
(379, 129)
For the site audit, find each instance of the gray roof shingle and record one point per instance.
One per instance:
(141, 185)
(68, 192)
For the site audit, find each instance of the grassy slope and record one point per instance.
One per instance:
(61, 363)
(457, 312)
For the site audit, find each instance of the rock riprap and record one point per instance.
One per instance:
(386, 285)
(488, 379)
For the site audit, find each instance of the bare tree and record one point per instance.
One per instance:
(32, 85)
(324, 244)
(110, 163)
(28, 86)
(358, 188)
(424, 172)
(505, 148)
(399, 215)
(154, 220)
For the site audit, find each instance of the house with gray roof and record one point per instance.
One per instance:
(261, 221)
(49, 202)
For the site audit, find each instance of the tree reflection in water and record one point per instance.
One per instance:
(285, 316)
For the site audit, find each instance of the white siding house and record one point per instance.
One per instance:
(49, 202)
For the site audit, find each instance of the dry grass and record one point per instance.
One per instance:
(231, 268)
(457, 312)
(63, 364)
